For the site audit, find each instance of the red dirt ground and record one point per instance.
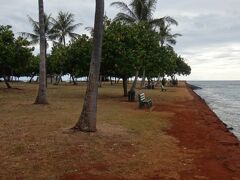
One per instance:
(198, 128)
(217, 151)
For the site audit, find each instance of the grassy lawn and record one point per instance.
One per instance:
(129, 143)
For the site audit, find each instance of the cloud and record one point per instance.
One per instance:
(211, 36)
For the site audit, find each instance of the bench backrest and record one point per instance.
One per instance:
(141, 97)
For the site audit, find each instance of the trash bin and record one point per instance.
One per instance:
(131, 96)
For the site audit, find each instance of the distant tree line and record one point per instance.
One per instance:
(126, 49)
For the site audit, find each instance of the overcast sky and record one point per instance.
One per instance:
(210, 29)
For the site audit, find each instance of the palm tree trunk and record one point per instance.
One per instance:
(87, 119)
(45, 60)
(42, 96)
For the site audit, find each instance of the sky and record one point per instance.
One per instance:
(210, 28)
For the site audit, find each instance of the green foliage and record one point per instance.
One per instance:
(14, 53)
(126, 48)
(79, 56)
(56, 61)
(73, 59)
(63, 26)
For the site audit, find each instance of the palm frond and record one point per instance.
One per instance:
(171, 41)
(74, 35)
(176, 35)
(124, 18)
(170, 20)
(157, 22)
(124, 7)
(34, 39)
(137, 7)
(63, 26)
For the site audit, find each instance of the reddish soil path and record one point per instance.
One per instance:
(197, 128)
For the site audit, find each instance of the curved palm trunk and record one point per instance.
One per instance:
(42, 97)
(87, 120)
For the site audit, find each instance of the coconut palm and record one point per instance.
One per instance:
(165, 35)
(35, 36)
(136, 11)
(64, 26)
(139, 11)
(87, 120)
(41, 96)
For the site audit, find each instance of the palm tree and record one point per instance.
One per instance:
(41, 96)
(136, 11)
(87, 119)
(165, 35)
(139, 11)
(35, 36)
(64, 26)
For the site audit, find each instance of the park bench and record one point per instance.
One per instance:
(143, 102)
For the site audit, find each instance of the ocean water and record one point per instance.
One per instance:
(223, 97)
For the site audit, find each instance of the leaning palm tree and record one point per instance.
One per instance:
(64, 26)
(87, 119)
(41, 96)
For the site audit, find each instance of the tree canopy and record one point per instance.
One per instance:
(15, 54)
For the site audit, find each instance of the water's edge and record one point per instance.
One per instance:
(228, 128)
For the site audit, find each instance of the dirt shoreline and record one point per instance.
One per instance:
(192, 88)
(217, 149)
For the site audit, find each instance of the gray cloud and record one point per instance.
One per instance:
(211, 36)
